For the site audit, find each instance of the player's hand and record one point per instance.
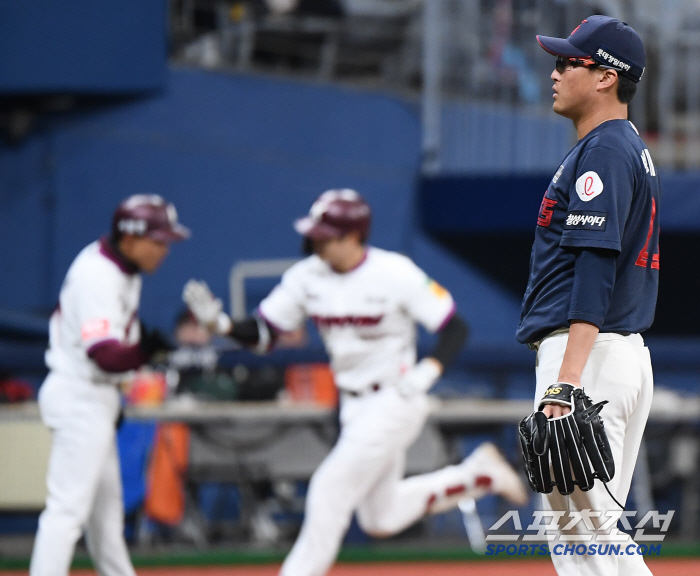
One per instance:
(206, 308)
(556, 409)
(420, 378)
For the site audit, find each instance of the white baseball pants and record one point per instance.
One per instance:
(83, 480)
(364, 473)
(618, 370)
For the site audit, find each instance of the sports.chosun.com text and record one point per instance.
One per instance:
(573, 550)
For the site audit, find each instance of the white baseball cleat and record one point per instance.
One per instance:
(497, 475)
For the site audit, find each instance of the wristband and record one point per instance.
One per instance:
(223, 324)
(559, 393)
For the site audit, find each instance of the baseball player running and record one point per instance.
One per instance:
(365, 303)
(94, 338)
(594, 268)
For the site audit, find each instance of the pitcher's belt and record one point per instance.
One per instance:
(536, 345)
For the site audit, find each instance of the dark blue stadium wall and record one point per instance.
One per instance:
(100, 46)
(240, 157)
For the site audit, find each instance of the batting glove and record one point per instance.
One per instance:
(206, 308)
(420, 378)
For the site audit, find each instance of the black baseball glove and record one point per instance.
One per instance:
(574, 447)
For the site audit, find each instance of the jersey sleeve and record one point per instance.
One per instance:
(284, 307)
(599, 200)
(426, 301)
(100, 312)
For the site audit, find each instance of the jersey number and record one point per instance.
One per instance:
(643, 258)
(545, 217)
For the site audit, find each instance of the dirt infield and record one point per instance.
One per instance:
(660, 567)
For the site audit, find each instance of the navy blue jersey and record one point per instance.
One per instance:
(605, 195)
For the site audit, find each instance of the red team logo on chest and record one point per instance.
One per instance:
(545, 217)
(328, 321)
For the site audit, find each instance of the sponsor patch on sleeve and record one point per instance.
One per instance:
(588, 186)
(584, 220)
(92, 329)
(437, 290)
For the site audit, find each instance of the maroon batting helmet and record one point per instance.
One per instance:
(148, 215)
(334, 214)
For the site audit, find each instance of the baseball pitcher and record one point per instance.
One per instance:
(594, 275)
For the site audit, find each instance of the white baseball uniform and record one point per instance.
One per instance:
(367, 319)
(618, 370)
(595, 259)
(80, 404)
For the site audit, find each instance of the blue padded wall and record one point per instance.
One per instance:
(499, 139)
(74, 46)
(241, 157)
(468, 203)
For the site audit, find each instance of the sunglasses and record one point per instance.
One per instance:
(563, 64)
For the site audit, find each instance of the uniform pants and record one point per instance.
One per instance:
(83, 480)
(364, 473)
(618, 370)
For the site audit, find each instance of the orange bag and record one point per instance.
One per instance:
(311, 383)
(165, 482)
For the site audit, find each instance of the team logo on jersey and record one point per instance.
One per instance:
(329, 321)
(436, 289)
(583, 220)
(545, 217)
(588, 186)
(93, 329)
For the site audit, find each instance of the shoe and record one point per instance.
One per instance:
(498, 475)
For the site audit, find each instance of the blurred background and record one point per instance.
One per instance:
(242, 112)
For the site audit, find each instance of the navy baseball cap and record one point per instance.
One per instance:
(608, 41)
